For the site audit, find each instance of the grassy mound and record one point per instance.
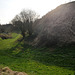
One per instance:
(22, 57)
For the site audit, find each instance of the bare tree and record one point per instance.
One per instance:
(24, 21)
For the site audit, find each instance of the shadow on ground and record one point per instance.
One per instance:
(62, 57)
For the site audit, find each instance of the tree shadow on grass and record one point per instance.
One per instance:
(57, 57)
(62, 57)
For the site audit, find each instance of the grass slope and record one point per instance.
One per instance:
(36, 61)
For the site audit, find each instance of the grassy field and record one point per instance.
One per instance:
(20, 56)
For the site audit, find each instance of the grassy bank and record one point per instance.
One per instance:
(36, 61)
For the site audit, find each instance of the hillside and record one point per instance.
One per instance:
(19, 56)
(50, 50)
(57, 27)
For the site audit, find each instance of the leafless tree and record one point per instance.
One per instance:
(24, 21)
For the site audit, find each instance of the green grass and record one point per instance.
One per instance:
(36, 61)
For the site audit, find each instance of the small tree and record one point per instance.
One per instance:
(24, 21)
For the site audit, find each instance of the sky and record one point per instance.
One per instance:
(10, 8)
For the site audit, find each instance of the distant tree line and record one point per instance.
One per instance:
(6, 28)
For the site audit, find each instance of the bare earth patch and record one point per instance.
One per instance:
(8, 71)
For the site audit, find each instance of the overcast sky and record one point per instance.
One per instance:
(10, 8)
